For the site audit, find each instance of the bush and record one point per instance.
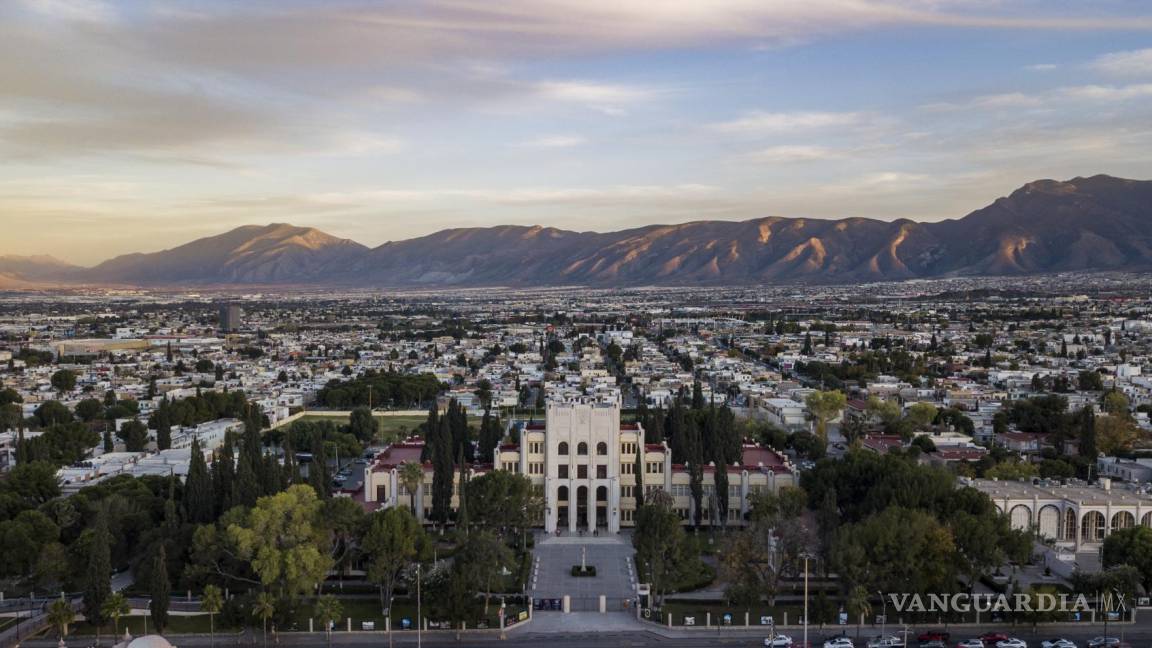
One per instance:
(588, 571)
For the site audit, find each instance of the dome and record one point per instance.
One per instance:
(150, 641)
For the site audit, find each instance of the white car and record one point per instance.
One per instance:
(1012, 643)
(779, 641)
(1057, 643)
(839, 642)
(891, 641)
(1103, 642)
(970, 643)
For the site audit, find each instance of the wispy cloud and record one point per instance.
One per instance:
(553, 141)
(1135, 63)
(793, 153)
(776, 122)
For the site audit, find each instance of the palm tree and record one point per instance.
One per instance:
(212, 601)
(60, 615)
(858, 606)
(328, 608)
(411, 476)
(264, 608)
(115, 607)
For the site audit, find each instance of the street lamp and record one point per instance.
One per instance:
(884, 614)
(419, 617)
(806, 556)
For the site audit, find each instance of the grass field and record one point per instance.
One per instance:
(391, 427)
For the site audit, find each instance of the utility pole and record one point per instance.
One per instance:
(806, 556)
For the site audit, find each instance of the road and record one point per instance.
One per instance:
(1137, 636)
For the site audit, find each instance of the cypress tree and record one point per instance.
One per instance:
(163, 429)
(224, 476)
(318, 470)
(807, 348)
(639, 474)
(160, 589)
(1088, 433)
(199, 503)
(290, 474)
(109, 445)
(98, 574)
(442, 468)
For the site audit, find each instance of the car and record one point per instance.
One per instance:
(991, 638)
(1103, 642)
(933, 644)
(890, 641)
(1057, 643)
(932, 635)
(838, 642)
(1012, 642)
(970, 643)
(779, 641)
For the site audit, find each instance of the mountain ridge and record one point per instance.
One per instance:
(1087, 223)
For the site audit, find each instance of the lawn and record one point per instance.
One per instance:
(391, 427)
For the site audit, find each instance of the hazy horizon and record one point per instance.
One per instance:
(135, 126)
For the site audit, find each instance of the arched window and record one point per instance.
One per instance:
(601, 448)
(582, 448)
(562, 448)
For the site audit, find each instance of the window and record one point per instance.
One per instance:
(601, 472)
(601, 448)
(582, 471)
(510, 466)
(563, 471)
(626, 491)
(628, 449)
(627, 469)
(626, 515)
(536, 447)
(535, 469)
(562, 448)
(582, 448)
(655, 468)
(734, 492)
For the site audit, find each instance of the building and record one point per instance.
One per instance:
(231, 318)
(1072, 515)
(582, 460)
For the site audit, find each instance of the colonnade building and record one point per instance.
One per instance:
(583, 461)
(1071, 515)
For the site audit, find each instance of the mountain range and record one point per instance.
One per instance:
(1083, 224)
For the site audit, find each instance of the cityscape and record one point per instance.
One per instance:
(787, 324)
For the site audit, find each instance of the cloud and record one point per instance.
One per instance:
(776, 122)
(1136, 63)
(1009, 100)
(1042, 67)
(91, 11)
(609, 98)
(632, 195)
(553, 141)
(1108, 94)
(793, 153)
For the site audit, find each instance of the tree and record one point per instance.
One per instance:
(198, 498)
(212, 601)
(98, 574)
(160, 589)
(1115, 403)
(89, 409)
(638, 494)
(921, 415)
(394, 540)
(64, 380)
(490, 436)
(328, 608)
(658, 540)
(411, 476)
(163, 430)
(1115, 434)
(1088, 448)
(857, 606)
(363, 425)
(896, 550)
(263, 608)
(1132, 546)
(484, 556)
(60, 615)
(825, 406)
(282, 540)
(134, 434)
(115, 608)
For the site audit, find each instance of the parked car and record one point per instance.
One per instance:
(779, 641)
(1057, 643)
(1103, 642)
(970, 643)
(992, 638)
(933, 644)
(838, 642)
(1012, 643)
(933, 635)
(889, 641)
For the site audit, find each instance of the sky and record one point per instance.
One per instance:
(133, 126)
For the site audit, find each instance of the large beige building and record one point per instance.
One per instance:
(582, 460)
